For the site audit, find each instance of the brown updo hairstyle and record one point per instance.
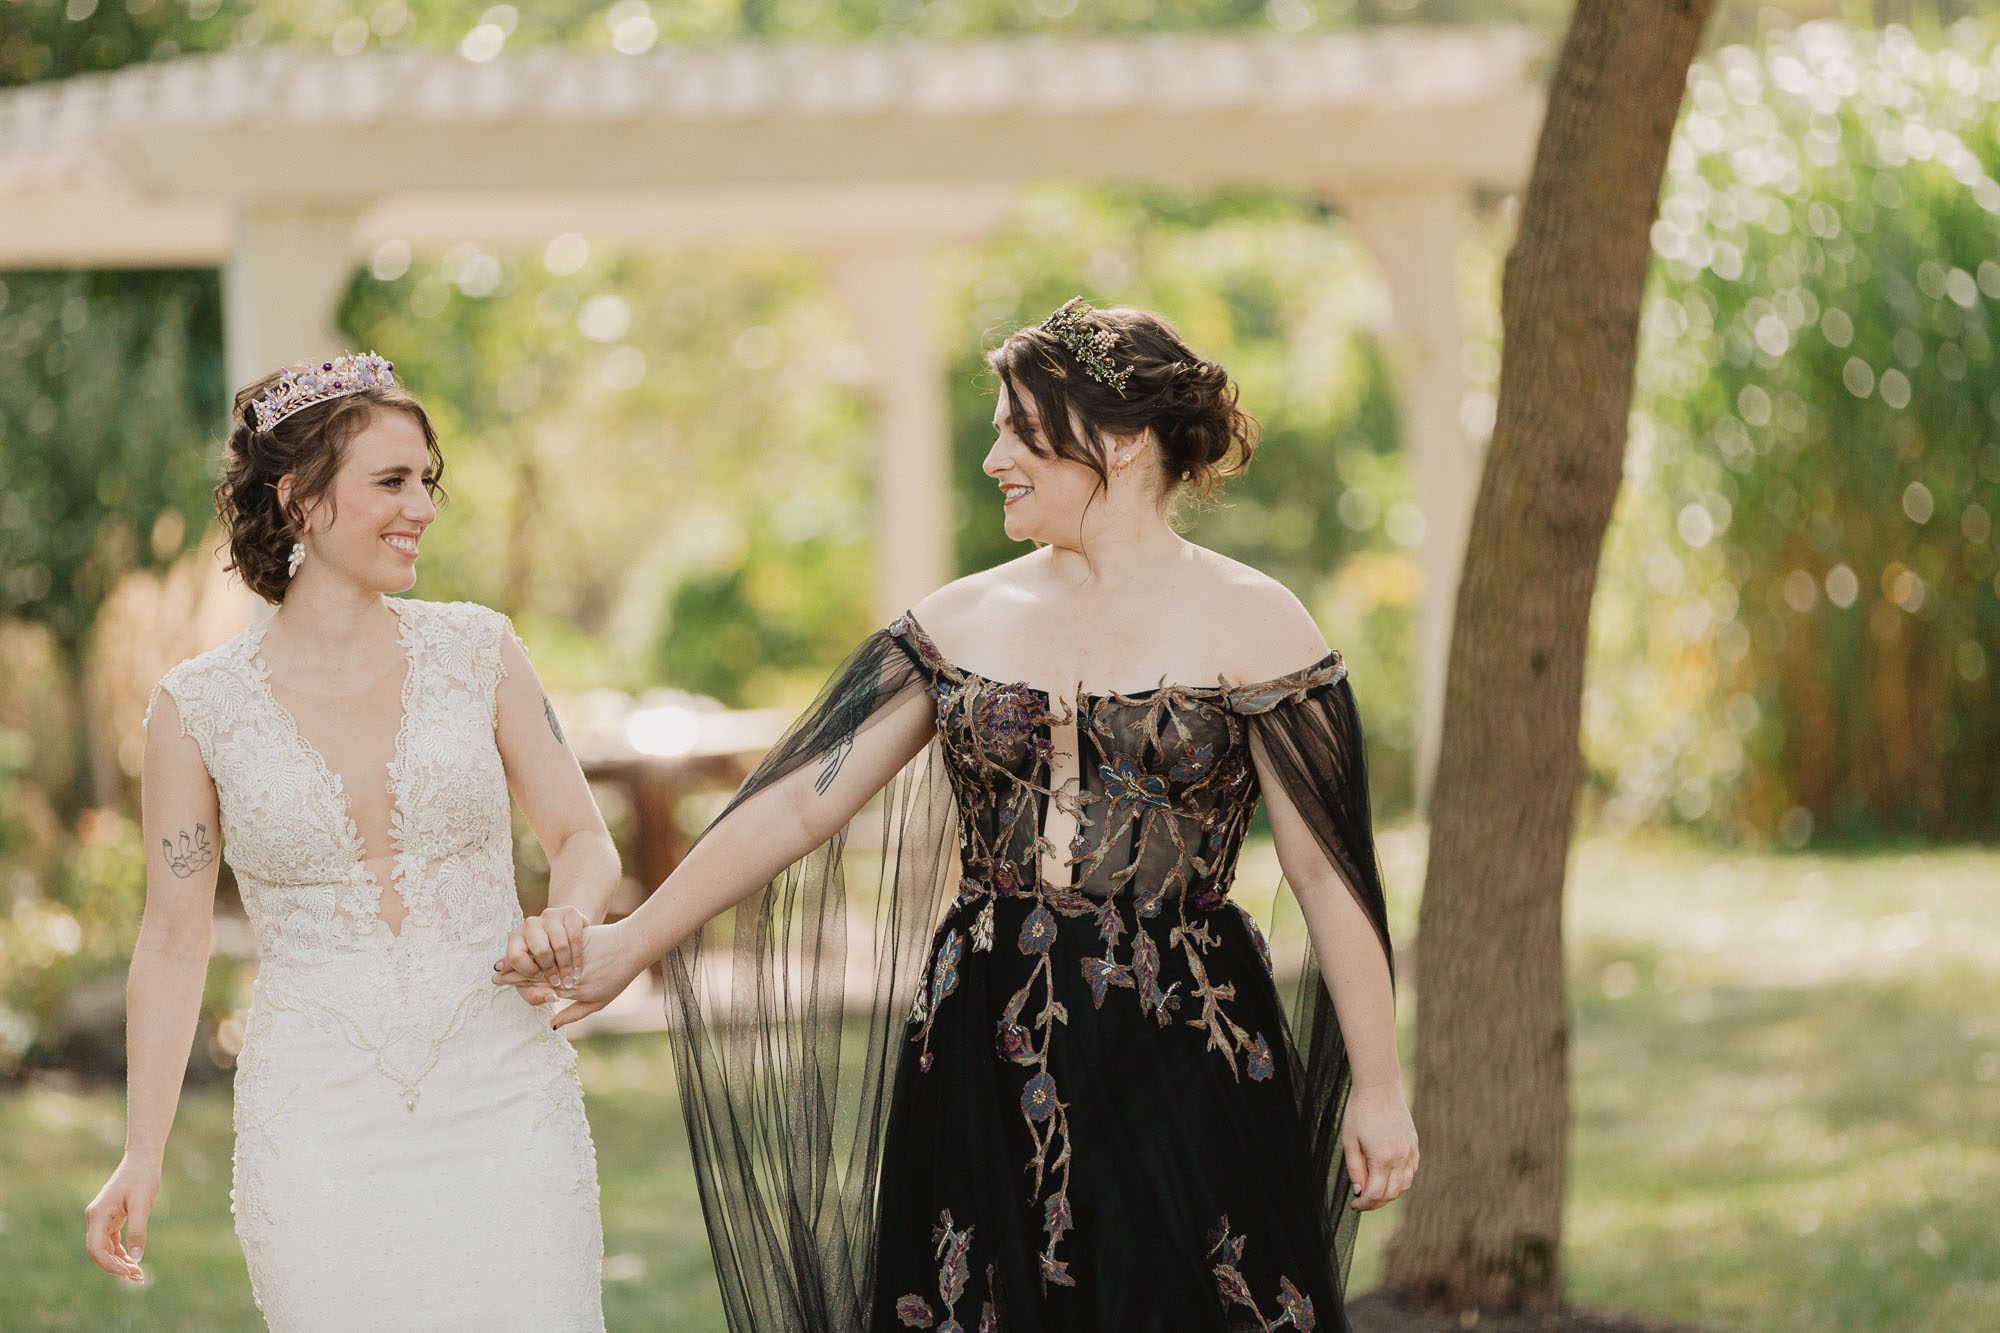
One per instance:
(1189, 403)
(310, 445)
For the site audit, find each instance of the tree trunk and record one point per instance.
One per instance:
(1483, 1227)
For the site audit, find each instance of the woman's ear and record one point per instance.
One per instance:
(1127, 449)
(283, 487)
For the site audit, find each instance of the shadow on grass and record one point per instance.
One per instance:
(1790, 1157)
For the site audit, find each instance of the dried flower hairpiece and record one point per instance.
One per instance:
(1091, 347)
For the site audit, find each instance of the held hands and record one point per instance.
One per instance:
(123, 1205)
(549, 948)
(1380, 1141)
(613, 962)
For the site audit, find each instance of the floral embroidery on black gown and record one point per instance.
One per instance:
(1034, 1071)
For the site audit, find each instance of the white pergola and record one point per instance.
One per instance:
(287, 170)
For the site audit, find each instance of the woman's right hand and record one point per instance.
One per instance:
(115, 1221)
(608, 964)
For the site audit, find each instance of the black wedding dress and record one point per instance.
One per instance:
(997, 1085)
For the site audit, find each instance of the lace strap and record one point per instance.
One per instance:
(199, 686)
(458, 644)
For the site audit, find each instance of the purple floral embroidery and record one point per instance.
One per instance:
(1013, 1042)
(944, 980)
(1297, 1307)
(1101, 973)
(1146, 980)
(1038, 932)
(1038, 1098)
(1008, 714)
(952, 1247)
(1227, 1251)
(944, 977)
(1198, 761)
(1125, 785)
(1257, 1061)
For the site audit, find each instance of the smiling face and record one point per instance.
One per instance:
(368, 525)
(1044, 496)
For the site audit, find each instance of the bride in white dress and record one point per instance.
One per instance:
(411, 1148)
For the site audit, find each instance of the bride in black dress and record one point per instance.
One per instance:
(1032, 1071)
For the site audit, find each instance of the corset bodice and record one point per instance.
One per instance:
(1162, 794)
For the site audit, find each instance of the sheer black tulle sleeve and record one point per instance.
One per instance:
(787, 1015)
(1310, 736)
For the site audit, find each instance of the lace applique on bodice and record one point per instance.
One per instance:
(288, 833)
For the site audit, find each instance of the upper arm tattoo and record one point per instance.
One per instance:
(194, 852)
(549, 712)
(830, 762)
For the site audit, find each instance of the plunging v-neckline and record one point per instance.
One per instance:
(335, 785)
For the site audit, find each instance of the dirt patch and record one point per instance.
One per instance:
(1378, 1312)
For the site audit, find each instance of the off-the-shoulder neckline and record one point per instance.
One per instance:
(1298, 679)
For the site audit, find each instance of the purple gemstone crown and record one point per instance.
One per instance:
(300, 387)
(1091, 347)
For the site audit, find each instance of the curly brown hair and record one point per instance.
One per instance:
(1189, 403)
(309, 446)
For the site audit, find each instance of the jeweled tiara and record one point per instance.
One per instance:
(1091, 347)
(300, 387)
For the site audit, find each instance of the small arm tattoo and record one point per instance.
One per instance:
(549, 712)
(194, 852)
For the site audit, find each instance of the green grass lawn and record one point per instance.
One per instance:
(1787, 1094)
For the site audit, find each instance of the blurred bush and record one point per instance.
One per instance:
(1800, 616)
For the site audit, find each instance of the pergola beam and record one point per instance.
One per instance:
(286, 169)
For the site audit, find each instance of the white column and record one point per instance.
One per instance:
(1415, 233)
(282, 287)
(889, 290)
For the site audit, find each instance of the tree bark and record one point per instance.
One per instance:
(1483, 1227)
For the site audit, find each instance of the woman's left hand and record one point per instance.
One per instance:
(1379, 1139)
(546, 951)
(616, 958)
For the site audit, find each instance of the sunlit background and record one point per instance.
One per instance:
(1785, 944)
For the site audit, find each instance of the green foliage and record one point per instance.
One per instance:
(111, 382)
(661, 451)
(1804, 594)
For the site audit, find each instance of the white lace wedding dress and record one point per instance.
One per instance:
(411, 1148)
